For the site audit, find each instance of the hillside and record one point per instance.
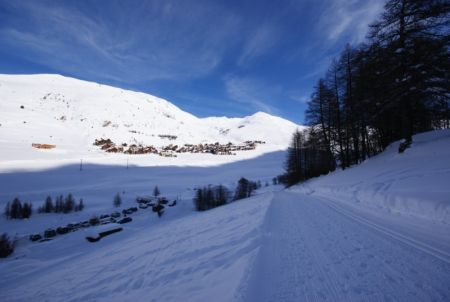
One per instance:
(71, 114)
(416, 183)
(358, 234)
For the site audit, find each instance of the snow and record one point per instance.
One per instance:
(191, 258)
(375, 232)
(415, 183)
(71, 114)
(319, 250)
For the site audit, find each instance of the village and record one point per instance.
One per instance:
(170, 150)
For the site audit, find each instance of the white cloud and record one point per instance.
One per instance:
(348, 17)
(153, 40)
(252, 92)
(260, 42)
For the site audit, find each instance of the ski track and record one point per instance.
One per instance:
(314, 250)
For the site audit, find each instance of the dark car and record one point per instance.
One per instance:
(125, 220)
(94, 221)
(143, 199)
(35, 237)
(49, 233)
(62, 230)
(163, 200)
(127, 212)
(115, 215)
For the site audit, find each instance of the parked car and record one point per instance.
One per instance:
(115, 215)
(143, 199)
(62, 230)
(49, 233)
(35, 237)
(143, 206)
(127, 212)
(125, 220)
(94, 221)
(163, 200)
(97, 233)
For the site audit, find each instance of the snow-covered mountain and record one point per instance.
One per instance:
(71, 114)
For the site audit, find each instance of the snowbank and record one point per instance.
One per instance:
(415, 183)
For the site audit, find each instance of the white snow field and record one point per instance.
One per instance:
(379, 231)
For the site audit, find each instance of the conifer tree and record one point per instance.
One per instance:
(117, 201)
(156, 191)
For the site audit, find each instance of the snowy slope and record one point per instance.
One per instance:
(71, 114)
(192, 258)
(415, 183)
(334, 238)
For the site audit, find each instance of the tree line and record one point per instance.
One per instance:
(18, 210)
(210, 197)
(62, 205)
(392, 86)
(22, 210)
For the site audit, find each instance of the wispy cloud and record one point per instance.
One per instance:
(348, 17)
(155, 40)
(252, 92)
(299, 97)
(260, 42)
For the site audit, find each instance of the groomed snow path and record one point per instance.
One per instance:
(317, 249)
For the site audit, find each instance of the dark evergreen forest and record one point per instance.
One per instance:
(391, 87)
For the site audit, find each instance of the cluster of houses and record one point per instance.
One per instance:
(169, 151)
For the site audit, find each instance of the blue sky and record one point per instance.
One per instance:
(223, 58)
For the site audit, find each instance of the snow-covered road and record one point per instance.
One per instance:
(318, 249)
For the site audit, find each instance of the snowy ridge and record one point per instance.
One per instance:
(71, 114)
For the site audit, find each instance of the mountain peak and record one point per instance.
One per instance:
(54, 109)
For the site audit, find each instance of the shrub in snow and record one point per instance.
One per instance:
(6, 246)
